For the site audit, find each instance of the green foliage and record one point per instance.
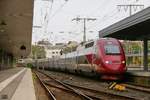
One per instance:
(148, 46)
(69, 49)
(132, 47)
(1, 51)
(136, 47)
(29, 65)
(34, 77)
(38, 52)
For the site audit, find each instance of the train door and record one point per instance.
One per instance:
(95, 52)
(76, 62)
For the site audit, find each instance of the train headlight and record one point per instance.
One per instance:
(123, 62)
(107, 62)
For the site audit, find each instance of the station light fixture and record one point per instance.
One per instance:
(22, 47)
(2, 25)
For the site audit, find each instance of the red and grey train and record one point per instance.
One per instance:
(104, 56)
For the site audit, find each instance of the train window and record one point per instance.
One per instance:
(111, 49)
(89, 44)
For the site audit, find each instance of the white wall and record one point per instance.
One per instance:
(52, 53)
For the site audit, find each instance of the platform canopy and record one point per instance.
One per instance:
(16, 26)
(135, 27)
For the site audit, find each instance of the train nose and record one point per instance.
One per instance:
(115, 62)
(115, 66)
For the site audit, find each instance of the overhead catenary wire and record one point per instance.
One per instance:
(46, 17)
(50, 17)
(97, 9)
(48, 13)
(58, 10)
(105, 2)
(90, 14)
(105, 18)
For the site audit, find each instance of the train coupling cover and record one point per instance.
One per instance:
(116, 86)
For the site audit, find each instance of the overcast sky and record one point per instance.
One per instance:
(53, 18)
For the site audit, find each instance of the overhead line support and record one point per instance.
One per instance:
(84, 21)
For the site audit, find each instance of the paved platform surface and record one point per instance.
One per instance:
(16, 84)
(139, 72)
(4, 74)
(25, 90)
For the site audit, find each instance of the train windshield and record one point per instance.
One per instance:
(111, 49)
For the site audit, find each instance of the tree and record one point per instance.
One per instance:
(38, 52)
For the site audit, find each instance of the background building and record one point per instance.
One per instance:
(44, 49)
(54, 51)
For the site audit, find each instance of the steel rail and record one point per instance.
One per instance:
(46, 88)
(67, 90)
(104, 92)
(138, 87)
(71, 86)
(68, 87)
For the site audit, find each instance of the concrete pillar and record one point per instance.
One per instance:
(145, 55)
(1, 61)
(2, 67)
(8, 61)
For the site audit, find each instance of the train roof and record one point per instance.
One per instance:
(84, 48)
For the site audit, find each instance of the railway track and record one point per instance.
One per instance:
(138, 87)
(52, 86)
(50, 94)
(83, 93)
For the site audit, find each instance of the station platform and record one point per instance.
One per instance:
(16, 84)
(138, 72)
(137, 76)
